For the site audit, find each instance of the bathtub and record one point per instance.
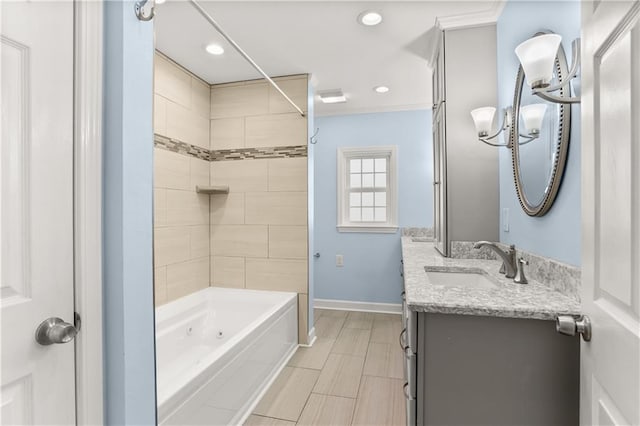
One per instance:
(218, 349)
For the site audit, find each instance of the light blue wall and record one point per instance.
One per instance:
(127, 213)
(557, 234)
(371, 261)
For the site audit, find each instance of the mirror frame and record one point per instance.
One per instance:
(562, 141)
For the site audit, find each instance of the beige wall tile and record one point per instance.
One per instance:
(200, 170)
(187, 208)
(312, 357)
(172, 82)
(288, 242)
(380, 401)
(276, 274)
(303, 319)
(288, 174)
(200, 94)
(239, 240)
(171, 170)
(288, 394)
(187, 277)
(276, 208)
(199, 241)
(159, 207)
(227, 271)
(340, 376)
(295, 88)
(171, 245)
(241, 176)
(159, 115)
(239, 101)
(227, 209)
(275, 130)
(324, 410)
(227, 133)
(160, 285)
(186, 126)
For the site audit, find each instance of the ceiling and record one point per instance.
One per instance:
(320, 38)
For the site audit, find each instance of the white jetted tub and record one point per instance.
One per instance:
(218, 349)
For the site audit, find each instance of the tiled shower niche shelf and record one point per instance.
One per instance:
(212, 189)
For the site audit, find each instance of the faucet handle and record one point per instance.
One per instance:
(520, 278)
(511, 251)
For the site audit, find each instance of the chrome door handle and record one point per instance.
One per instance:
(566, 324)
(55, 330)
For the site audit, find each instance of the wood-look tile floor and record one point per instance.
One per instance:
(351, 376)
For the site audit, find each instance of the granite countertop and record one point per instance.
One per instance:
(507, 299)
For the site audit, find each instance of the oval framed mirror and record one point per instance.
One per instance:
(539, 155)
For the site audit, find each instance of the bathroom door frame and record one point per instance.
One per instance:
(87, 209)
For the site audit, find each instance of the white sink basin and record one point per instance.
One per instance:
(459, 277)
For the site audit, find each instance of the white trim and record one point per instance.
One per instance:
(343, 156)
(467, 20)
(368, 229)
(374, 109)
(311, 338)
(88, 210)
(348, 305)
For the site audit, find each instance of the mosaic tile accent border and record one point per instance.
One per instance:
(184, 148)
(559, 276)
(255, 153)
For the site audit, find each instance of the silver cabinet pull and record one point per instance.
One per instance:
(403, 345)
(55, 330)
(404, 390)
(570, 326)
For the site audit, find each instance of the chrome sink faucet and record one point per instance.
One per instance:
(508, 257)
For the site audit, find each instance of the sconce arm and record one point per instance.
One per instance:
(484, 140)
(545, 92)
(527, 139)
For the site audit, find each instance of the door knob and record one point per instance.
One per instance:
(55, 330)
(569, 325)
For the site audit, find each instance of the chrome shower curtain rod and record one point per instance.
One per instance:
(215, 25)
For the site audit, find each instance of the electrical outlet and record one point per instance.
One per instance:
(339, 260)
(505, 219)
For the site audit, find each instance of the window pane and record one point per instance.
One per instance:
(367, 214)
(367, 165)
(354, 214)
(381, 199)
(381, 180)
(367, 199)
(367, 180)
(381, 214)
(381, 165)
(354, 166)
(354, 199)
(355, 180)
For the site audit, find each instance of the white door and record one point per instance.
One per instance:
(610, 377)
(36, 180)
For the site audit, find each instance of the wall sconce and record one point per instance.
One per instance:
(483, 120)
(538, 56)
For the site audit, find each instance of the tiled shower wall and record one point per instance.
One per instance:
(181, 216)
(246, 136)
(259, 229)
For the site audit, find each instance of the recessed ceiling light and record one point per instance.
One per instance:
(369, 18)
(214, 49)
(332, 96)
(160, 1)
(381, 89)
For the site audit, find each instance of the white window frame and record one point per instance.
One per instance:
(342, 166)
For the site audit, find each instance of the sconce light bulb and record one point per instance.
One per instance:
(483, 120)
(533, 117)
(537, 56)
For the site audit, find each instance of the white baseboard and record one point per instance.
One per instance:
(311, 339)
(348, 305)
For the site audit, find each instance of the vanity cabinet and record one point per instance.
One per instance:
(466, 186)
(470, 370)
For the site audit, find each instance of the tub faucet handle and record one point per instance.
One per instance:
(520, 278)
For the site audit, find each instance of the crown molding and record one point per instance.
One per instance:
(475, 19)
